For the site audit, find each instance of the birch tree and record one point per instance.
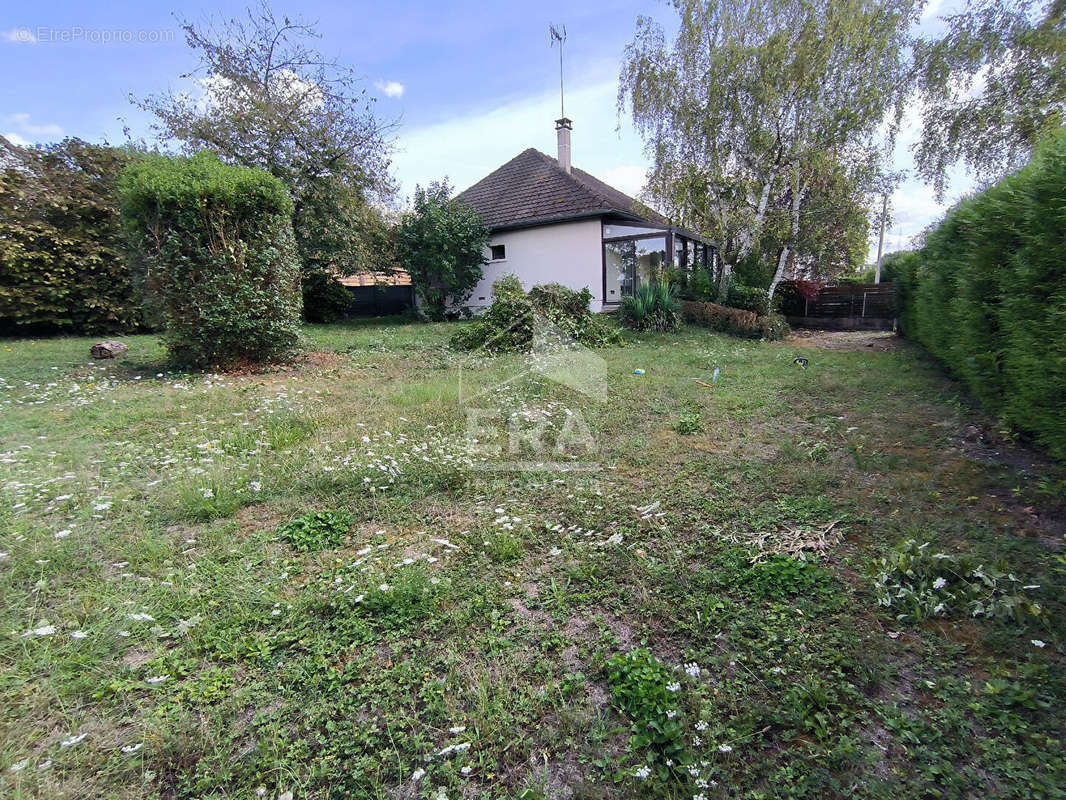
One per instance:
(992, 86)
(751, 101)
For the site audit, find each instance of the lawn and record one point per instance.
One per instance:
(681, 602)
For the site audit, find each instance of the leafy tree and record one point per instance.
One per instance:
(754, 102)
(339, 233)
(993, 86)
(441, 243)
(63, 259)
(834, 223)
(271, 101)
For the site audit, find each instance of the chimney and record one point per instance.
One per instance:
(562, 129)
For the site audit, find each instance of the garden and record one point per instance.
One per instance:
(678, 551)
(759, 579)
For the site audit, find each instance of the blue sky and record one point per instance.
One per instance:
(470, 84)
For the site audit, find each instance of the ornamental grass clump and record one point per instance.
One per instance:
(652, 307)
(215, 250)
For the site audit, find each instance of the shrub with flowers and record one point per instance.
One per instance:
(919, 582)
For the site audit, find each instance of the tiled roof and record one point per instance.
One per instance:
(533, 188)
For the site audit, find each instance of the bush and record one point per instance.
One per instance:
(217, 252)
(63, 258)
(989, 296)
(326, 299)
(903, 268)
(791, 297)
(509, 323)
(734, 321)
(749, 298)
(696, 285)
(653, 307)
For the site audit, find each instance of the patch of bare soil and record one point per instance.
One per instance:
(320, 360)
(137, 657)
(846, 340)
(1045, 521)
(257, 517)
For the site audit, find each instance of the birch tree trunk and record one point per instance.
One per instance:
(783, 254)
(747, 243)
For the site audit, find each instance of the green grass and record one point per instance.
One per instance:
(503, 633)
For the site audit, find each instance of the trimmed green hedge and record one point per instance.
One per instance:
(63, 259)
(218, 258)
(735, 321)
(988, 297)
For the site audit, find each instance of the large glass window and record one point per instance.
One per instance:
(630, 262)
(615, 231)
(680, 254)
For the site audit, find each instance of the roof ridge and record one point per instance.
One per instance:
(532, 186)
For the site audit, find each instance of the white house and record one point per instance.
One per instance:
(550, 221)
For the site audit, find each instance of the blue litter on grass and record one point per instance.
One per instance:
(717, 372)
(638, 371)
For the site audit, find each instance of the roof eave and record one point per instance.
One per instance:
(538, 222)
(577, 217)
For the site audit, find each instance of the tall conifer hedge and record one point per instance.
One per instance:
(988, 297)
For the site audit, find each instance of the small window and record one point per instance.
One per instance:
(498, 251)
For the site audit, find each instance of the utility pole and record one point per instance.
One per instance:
(881, 238)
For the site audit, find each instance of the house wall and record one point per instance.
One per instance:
(568, 253)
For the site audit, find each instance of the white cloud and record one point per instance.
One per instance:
(628, 178)
(931, 9)
(23, 132)
(469, 147)
(913, 205)
(391, 88)
(18, 36)
(24, 124)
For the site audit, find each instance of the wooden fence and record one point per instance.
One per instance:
(849, 305)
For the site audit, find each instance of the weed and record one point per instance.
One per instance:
(642, 688)
(317, 530)
(918, 582)
(689, 421)
(781, 578)
(411, 593)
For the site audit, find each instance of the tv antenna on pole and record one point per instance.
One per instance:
(558, 34)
